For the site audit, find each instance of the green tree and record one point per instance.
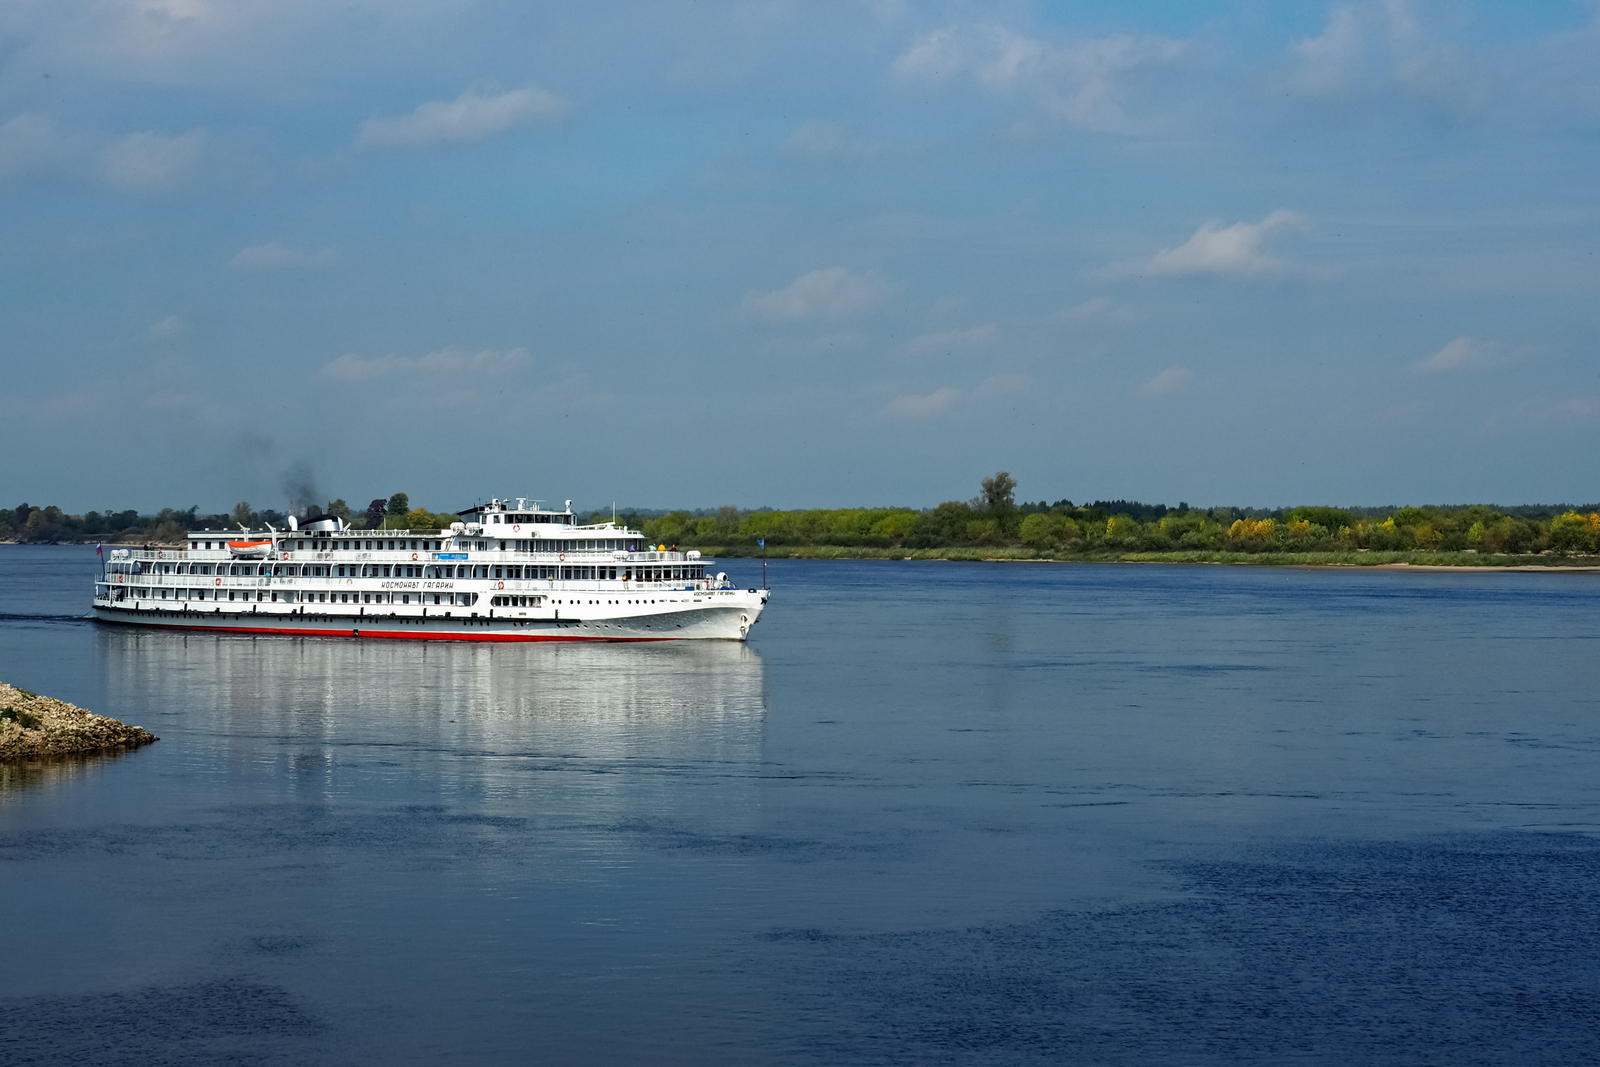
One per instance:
(895, 525)
(1572, 532)
(1332, 518)
(243, 513)
(983, 531)
(999, 492)
(1038, 530)
(1121, 528)
(399, 504)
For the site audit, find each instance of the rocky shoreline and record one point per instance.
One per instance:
(34, 727)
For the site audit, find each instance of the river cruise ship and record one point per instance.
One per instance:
(509, 571)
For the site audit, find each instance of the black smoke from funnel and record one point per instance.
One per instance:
(300, 486)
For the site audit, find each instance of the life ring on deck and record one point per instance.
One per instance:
(413, 555)
(219, 581)
(349, 581)
(562, 557)
(160, 554)
(502, 585)
(286, 555)
(516, 529)
(119, 578)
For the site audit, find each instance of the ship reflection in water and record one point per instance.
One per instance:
(592, 729)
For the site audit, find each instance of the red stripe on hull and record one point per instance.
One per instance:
(396, 635)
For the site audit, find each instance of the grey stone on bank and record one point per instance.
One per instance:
(36, 727)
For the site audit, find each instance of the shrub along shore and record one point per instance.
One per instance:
(1359, 558)
(34, 727)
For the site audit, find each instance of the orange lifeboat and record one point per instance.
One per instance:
(250, 549)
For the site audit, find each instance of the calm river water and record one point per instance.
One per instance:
(932, 813)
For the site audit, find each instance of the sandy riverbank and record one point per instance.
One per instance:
(36, 727)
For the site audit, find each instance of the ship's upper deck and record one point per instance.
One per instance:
(514, 527)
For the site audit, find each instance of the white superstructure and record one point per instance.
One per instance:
(510, 571)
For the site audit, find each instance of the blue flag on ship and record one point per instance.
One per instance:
(762, 542)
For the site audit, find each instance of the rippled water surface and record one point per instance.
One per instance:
(932, 813)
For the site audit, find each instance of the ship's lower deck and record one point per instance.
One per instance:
(713, 615)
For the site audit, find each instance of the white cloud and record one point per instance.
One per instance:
(834, 293)
(946, 342)
(1168, 381)
(149, 162)
(1376, 47)
(1546, 412)
(445, 363)
(469, 117)
(1465, 353)
(818, 139)
(274, 256)
(29, 143)
(1576, 407)
(1096, 309)
(169, 329)
(997, 385)
(1077, 82)
(921, 406)
(1239, 250)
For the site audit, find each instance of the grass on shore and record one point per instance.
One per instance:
(1415, 558)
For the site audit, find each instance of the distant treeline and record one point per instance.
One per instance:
(993, 518)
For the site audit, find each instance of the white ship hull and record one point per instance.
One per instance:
(723, 615)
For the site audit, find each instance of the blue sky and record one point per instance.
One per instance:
(798, 254)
